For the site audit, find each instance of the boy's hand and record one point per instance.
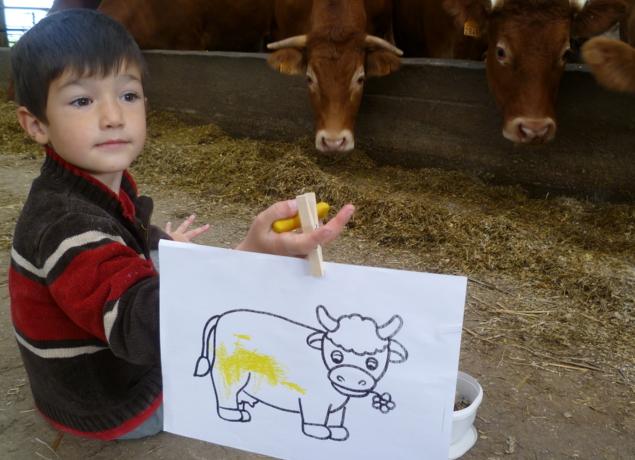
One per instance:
(180, 233)
(262, 237)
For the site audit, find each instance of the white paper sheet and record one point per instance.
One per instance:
(259, 353)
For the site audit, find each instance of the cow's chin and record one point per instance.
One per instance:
(349, 392)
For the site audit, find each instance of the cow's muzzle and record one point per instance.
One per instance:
(352, 380)
(334, 141)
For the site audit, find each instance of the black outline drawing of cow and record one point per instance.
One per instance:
(354, 349)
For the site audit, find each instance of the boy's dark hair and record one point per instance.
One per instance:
(85, 41)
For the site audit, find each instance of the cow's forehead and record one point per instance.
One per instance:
(333, 69)
(357, 350)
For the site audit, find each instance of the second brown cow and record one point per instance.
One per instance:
(525, 43)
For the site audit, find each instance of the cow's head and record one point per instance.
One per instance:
(356, 351)
(527, 50)
(612, 62)
(335, 63)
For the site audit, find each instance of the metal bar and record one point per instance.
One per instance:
(24, 8)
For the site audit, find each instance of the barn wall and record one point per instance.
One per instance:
(432, 113)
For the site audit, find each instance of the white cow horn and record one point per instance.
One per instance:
(329, 323)
(376, 42)
(391, 328)
(299, 41)
(496, 5)
(578, 5)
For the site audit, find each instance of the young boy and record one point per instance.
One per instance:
(84, 289)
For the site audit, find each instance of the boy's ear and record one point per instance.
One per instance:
(33, 127)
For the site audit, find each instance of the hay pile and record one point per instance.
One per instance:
(573, 260)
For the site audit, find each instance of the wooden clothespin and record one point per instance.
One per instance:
(309, 218)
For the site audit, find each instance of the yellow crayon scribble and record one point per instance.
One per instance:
(241, 336)
(263, 368)
(293, 386)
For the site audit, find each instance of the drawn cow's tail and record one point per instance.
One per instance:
(203, 364)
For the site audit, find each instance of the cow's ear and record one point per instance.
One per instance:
(598, 17)
(288, 61)
(465, 11)
(381, 62)
(612, 62)
(315, 340)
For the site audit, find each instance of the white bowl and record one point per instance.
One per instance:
(463, 433)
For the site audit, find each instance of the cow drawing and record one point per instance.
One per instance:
(255, 356)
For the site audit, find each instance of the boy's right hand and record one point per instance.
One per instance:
(263, 238)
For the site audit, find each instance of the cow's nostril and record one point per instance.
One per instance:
(362, 383)
(340, 378)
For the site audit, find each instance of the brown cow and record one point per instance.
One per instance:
(335, 45)
(612, 62)
(222, 25)
(525, 44)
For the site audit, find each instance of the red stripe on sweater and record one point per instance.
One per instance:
(35, 313)
(114, 433)
(95, 277)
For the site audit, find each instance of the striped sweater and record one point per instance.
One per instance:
(85, 301)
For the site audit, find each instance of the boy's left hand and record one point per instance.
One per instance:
(181, 234)
(263, 238)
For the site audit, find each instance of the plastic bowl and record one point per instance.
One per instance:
(462, 419)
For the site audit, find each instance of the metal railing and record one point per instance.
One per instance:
(6, 31)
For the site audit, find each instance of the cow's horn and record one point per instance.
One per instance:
(578, 5)
(327, 321)
(376, 42)
(496, 5)
(391, 328)
(299, 41)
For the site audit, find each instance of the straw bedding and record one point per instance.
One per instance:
(570, 264)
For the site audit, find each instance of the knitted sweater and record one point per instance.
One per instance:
(85, 301)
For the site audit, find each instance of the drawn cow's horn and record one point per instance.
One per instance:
(391, 328)
(327, 321)
(299, 41)
(376, 42)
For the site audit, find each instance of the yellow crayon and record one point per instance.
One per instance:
(286, 225)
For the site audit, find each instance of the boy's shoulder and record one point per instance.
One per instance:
(49, 206)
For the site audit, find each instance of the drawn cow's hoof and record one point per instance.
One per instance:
(316, 431)
(338, 433)
(234, 415)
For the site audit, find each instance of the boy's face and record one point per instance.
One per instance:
(96, 123)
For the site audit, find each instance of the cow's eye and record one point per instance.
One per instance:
(361, 79)
(309, 79)
(372, 364)
(501, 54)
(337, 357)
